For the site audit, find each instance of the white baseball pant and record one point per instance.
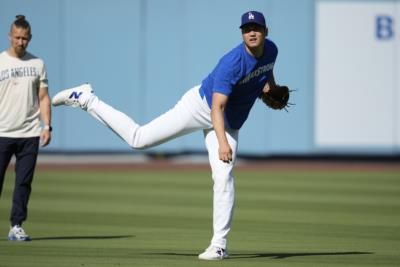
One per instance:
(190, 114)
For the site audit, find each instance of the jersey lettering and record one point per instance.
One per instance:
(257, 72)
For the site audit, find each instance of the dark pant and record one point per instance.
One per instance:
(25, 151)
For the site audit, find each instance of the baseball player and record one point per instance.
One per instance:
(24, 104)
(218, 107)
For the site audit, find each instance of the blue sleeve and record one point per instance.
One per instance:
(226, 74)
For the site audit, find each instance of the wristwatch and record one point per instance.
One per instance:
(48, 128)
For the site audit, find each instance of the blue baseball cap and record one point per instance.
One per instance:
(253, 17)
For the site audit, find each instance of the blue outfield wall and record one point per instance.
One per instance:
(142, 55)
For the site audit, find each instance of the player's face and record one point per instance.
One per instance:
(253, 35)
(19, 39)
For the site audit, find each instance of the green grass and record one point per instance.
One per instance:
(163, 218)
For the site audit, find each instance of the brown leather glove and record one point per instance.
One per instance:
(277, 97)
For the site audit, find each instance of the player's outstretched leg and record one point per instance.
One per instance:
(83, 96)
(188, 115)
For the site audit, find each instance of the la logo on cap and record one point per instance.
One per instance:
(251, 16)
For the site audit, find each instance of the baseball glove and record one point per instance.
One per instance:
(277, 97)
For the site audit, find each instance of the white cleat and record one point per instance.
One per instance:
(74, 97)
(18, 234)
(214, 253)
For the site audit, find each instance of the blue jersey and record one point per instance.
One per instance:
(242, 78)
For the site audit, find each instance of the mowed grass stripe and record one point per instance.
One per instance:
(144, 218)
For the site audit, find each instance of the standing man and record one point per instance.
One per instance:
(218, 107)
(24, 103)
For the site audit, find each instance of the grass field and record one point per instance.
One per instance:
(163, 218)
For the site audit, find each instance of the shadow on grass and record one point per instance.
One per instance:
(274, 255)
(300, 254)
(90, 237)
